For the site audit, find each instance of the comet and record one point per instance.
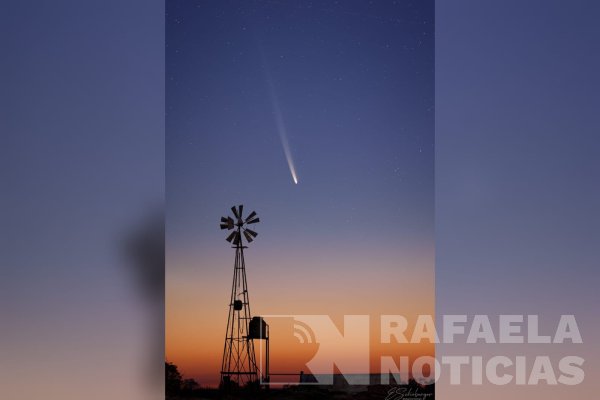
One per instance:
(283, 135)
(279, 122)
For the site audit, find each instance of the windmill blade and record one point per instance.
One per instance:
(248, 236)
(252, 215)
(235, 212)
(237, 238)
(251, 232)
(253, 221)
(231, 236)
(241, 208)
(226, 223)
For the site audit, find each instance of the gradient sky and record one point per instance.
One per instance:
(81, 169)
(517, 173)
(517, 194)
(352, 85)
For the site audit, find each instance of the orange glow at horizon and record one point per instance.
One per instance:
(196, 308)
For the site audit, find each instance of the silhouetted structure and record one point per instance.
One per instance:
(239, 367)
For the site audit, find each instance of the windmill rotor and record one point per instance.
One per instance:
(238, 223)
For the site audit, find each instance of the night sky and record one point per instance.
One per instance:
(82, 155)
(517, 172)
(348, 88)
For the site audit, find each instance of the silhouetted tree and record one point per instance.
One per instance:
(189, 385)
(173, 380)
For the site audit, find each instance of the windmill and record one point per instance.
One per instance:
(238, 367)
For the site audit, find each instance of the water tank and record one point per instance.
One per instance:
(258, 328)
(238, 305)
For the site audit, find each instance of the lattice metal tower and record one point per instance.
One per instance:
(238, 367)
